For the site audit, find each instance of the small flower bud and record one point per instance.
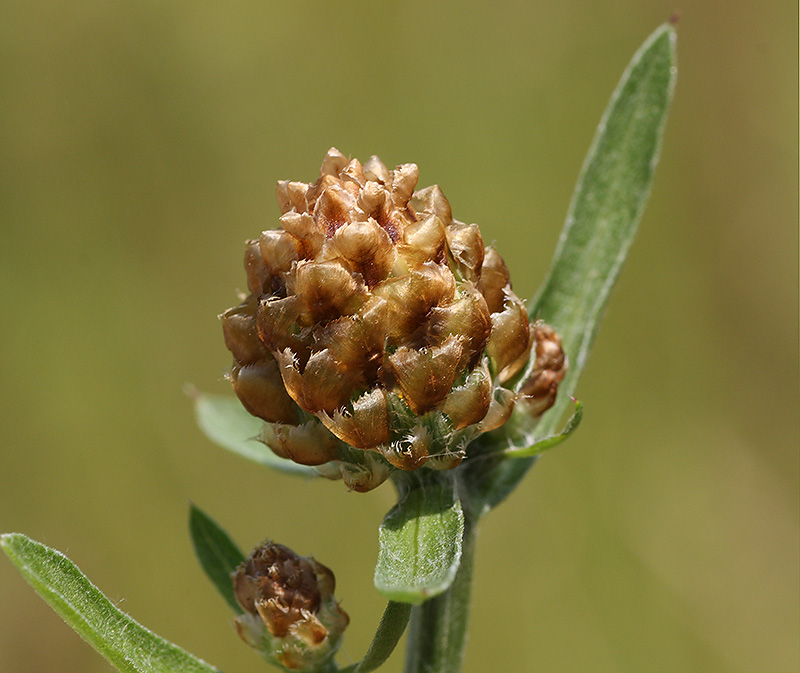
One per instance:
(549, 368)
(290, 613)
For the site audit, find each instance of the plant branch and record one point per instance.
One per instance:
(437, 634)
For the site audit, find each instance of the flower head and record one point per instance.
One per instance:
(290, 613)
(379, 332)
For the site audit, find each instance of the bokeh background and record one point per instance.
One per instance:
(139, 145)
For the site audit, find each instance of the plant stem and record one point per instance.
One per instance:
(437, 633)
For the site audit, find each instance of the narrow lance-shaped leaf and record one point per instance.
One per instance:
(606, 207)
(225, 422)
(218, 554)
(128, 645)
(608, 203)
(420, 543)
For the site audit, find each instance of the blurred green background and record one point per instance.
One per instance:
(139, 146)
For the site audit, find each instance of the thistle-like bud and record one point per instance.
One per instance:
(380, 333)
(290, 613)
(549, 367)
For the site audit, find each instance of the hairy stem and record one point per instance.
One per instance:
(437, 634)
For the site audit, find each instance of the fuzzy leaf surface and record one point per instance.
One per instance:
(420, 544)
(217, 552)
(128, 645)
(226, 422)
(606, 207)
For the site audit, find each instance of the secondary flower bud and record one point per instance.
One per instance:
(386, 332)
(549, 367)
(290, 613)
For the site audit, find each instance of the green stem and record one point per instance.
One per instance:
(437, 633)
(390, 630)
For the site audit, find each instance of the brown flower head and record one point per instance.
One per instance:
(379, 332)
(290, 613)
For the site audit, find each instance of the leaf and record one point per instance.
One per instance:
(548, 442)
(393, 624)
(128, 645)
(218, 554)
(420, 543)
(606, 207)
(226, 422)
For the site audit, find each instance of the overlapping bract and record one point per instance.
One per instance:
(290, 613)
(379, 332)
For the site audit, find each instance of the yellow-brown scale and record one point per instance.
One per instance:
(379, 332)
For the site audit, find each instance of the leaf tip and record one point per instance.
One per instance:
(7, 540)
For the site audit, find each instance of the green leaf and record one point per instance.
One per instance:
(393, 624)
(437, 631)
(548, 442)
(128, 645)
(225, 421)
(606, 207)
(218, 554)
(420, 543)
